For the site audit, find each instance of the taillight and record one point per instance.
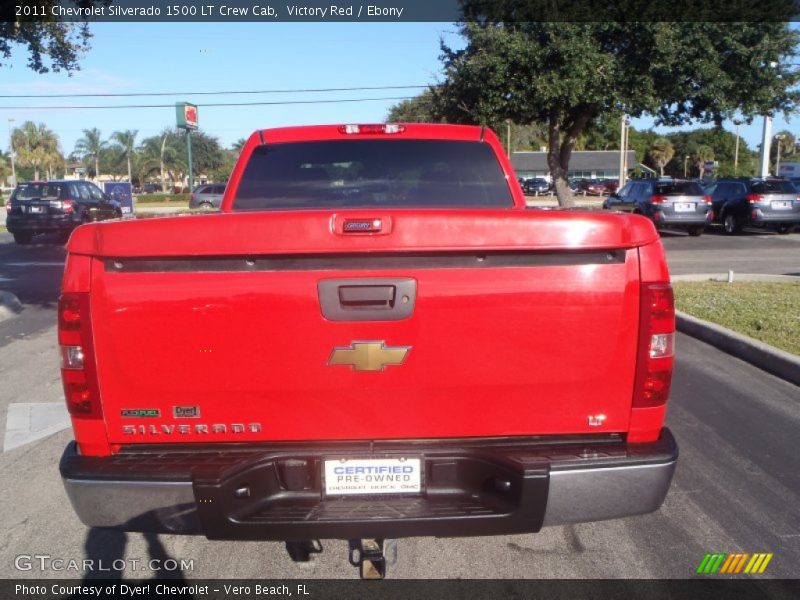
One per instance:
(707, 199)
(656, 345)
(68, 205)
(755, 198)
(8, 205)
(372, 129)
(658, 199)
(78, 371)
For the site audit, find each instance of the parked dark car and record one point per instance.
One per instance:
(671, 204)
(610, 185)
(56, 206)
(208, 196)
(536, 185)
(592, 187)
(152, 188)
(771, 203)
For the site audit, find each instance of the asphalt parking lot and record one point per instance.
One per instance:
(737, 486)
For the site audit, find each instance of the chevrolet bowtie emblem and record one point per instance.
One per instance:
(369, 356)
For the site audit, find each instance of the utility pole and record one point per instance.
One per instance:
(11, 152)
(685, 166)
(736, 152)
(508, 137)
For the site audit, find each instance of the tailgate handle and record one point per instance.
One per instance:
(367, 296)
(367, 299)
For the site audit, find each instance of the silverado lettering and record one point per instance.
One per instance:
(382, 298)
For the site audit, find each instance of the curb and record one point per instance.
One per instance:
(767, 358)
(10, 306)
(737, 277)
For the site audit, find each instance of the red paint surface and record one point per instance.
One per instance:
(495, 352)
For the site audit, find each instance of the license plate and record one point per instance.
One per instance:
(354, 476)
(36, 209)
(781, 205)
(684, 207)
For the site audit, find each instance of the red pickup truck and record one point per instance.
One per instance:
(374, 339)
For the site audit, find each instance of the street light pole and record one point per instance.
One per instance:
(11, 151)
(778, 137)
(736, 152)
(766, 142)
(623, 149)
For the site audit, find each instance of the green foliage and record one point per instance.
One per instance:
(167, 153)
(419, 109)
(567, 74)
(51, 44)
(36, 147)
(723, 146)
(661, 152)
(769, 312)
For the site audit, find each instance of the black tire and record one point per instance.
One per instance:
(23, 237)
(206, 206)
(783, 229)
(731, 224)
(696, 231)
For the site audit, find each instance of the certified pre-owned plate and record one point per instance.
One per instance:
(684, 207)
(373, 476)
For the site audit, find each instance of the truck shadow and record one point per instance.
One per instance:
(105, 548)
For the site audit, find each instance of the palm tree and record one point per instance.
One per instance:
(701, 155)
(36, 146)
(238, 145)
(90, 145)
(661, 152)
(127, 140)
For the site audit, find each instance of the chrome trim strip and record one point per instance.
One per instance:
(584, 495)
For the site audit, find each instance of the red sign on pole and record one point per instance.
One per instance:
(186, 115)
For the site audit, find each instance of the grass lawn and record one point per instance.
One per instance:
(176, 204)
(769, 312)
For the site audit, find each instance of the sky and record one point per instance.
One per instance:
(197, 57)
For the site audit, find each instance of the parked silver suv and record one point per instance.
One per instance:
(208, 196)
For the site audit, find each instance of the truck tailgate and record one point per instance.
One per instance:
(508, 338)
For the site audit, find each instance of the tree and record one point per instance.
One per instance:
(51, 44)
(90, 146)
(36, 146)
(419, 109)
(238, 145)
(661, 152)
(168, 154)
(699, 156)
(723, 144)
(127, 142)
(569, 74)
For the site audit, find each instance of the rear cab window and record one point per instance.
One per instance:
(774, 187)
(678, 188)
(26, 192)
(372, 173)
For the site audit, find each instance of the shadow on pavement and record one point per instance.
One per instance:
(105, 548)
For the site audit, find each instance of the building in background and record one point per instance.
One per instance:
(590, 164)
